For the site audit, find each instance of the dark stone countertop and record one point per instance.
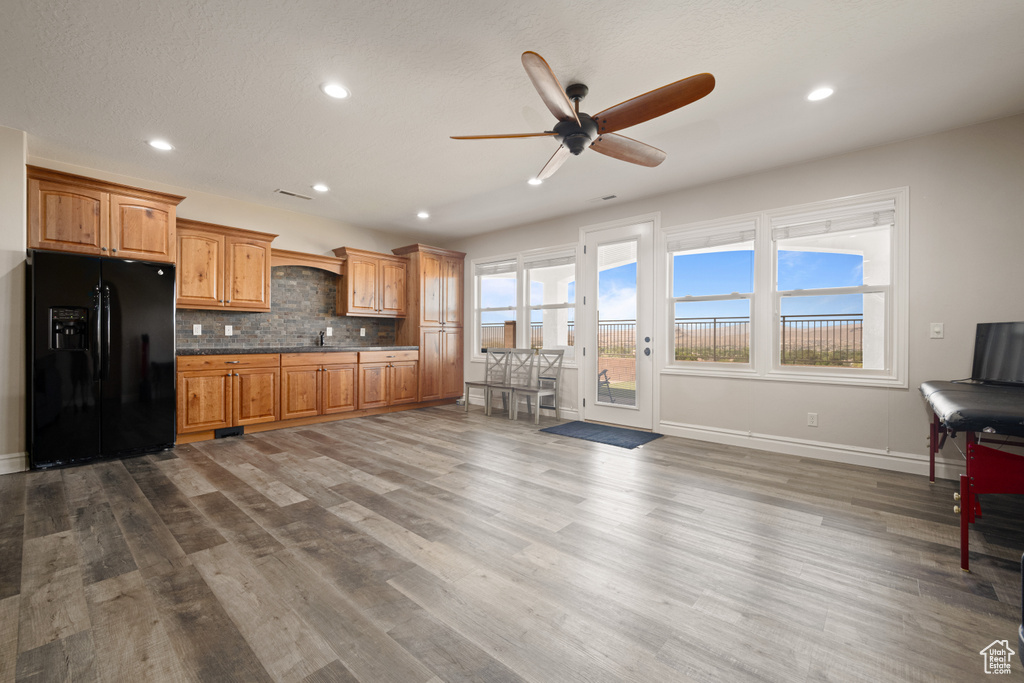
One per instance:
(299, 349)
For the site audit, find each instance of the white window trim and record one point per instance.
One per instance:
(522, 308)
(765, 306)
(696, 231)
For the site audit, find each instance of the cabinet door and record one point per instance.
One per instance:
(431, 283)
(67, 218)
(338, 388)
(373, 385)
(247, 270)
(200, 269)
(256, 395)
(453, 288)
(431, 340)
(360, 284)
(141, 229)
(451, 362)
(403, 382)
(393, 275)
(300, 391)
(204, 400)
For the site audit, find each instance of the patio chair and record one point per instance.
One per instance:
(549, 374)
(520, 374)
(604, 383)
(495, 373)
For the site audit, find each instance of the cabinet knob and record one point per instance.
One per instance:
(114, 250)
(103, 248)
(228, 301)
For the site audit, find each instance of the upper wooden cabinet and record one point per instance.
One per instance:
(435, 284)
(221, 267)
(372, 285)
(87, 216)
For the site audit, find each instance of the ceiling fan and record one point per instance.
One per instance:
(577, 131)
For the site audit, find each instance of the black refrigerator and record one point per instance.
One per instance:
(101, 358)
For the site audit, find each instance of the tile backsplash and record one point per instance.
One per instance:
(302, 304)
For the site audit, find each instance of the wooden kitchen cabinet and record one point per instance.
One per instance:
(221, 391)
(87, 216)
(435, 320)
(372, 285)
(318, 383)
(220, 267)
(388, 378)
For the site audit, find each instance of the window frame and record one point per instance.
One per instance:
(708, 231)
(523, 308)
(765, 316)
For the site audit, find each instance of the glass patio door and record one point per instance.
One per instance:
(618, 359)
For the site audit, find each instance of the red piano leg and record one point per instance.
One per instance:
(966, 506)
(933, 446)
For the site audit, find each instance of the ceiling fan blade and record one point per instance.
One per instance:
(654, 103)
(627, 149)
(550, 90)
(496, 137)
(556, 160)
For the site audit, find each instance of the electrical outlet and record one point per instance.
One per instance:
(936, 331)
(329, 332)
(362, 331)
(197, 330)
(812, 419)
(228, 330)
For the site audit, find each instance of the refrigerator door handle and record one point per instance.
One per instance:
(97, 344)
(105, 367)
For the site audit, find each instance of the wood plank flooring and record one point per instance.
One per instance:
(437, 545)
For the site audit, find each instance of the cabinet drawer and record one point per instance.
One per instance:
(240, 360)
(325, 358)
(387, 356)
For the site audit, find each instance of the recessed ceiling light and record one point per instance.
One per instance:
(534, 181)
(334, 90)
(423, 214)
(161, 144)
(820, 94)
(320, 187)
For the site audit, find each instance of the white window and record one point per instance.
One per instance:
(551, 300)
(526, 300)
(833, 289)
(497, 289)
(813, 293)
(711, 282)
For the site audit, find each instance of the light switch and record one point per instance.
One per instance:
(228, 330)
(362, 331)
(329, 332)
(936, 331)
(197, 330)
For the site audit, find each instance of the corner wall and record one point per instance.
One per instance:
(966, 242)
(13, 193)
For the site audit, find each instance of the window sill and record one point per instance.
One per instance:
(848, 379)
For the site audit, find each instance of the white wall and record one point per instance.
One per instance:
(966, 247)
(13, 192)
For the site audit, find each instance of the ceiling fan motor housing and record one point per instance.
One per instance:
(577, 137)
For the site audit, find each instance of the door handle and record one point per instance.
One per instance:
(647, 351)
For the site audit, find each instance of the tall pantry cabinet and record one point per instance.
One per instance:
(435, 321)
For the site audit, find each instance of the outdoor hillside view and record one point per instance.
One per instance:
(711, 293)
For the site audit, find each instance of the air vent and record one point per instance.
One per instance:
(604, 198)
(292, 194)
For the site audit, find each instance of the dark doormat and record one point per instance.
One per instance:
(613, 436)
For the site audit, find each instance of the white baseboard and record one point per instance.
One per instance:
(566, 413)
(13, 462)
(851, 455)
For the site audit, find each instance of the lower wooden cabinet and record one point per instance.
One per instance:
(219, 391)
(215, 392)
(388, 378)
(440, 363)
(318, 384)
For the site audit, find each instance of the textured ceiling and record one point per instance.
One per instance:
(233, 84)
